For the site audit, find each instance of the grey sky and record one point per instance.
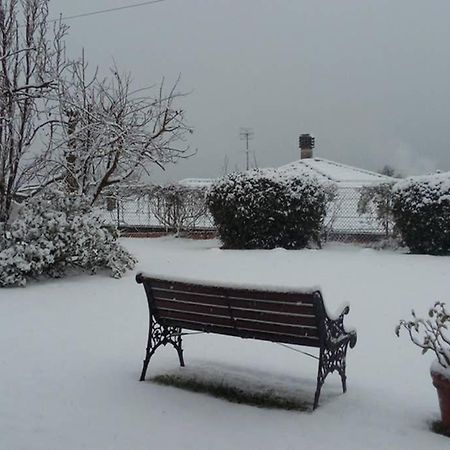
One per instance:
(369, 78)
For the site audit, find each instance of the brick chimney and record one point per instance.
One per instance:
(306, 143)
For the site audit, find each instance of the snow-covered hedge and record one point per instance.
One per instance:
(263, 209)
(54, 232)
(421, 209)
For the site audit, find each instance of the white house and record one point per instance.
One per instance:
(343, 217)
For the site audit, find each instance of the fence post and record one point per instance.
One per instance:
(118, 212)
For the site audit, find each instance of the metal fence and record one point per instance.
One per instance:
(144, 212)
(343, 222)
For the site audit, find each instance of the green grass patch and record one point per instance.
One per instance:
(438, 428)
(232, 393)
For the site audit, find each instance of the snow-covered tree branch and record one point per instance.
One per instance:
(431, 333)
(114, 134)
(31, 61)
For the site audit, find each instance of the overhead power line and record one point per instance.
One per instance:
(103, 11)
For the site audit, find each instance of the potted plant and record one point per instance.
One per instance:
(432, 334)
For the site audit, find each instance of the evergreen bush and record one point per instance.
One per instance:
(263, 209)
(421, 209)
(54, 232)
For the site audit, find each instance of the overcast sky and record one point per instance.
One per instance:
(369, 78)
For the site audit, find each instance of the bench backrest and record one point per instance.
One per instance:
(286, 317)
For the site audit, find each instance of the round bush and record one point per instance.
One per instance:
(261, 209)
(421, 209)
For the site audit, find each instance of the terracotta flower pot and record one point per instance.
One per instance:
(442, 386)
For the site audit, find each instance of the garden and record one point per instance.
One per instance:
(75, 140)
(72, 353)
(72, 348)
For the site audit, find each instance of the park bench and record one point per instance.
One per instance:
(280, 316)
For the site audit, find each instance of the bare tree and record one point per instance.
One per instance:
(390, 171)
(334, 204)
(179, 208)
(31, 60)
(58, 125)
(378, 199)
(114, 134)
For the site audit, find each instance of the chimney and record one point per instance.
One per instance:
(306, 143)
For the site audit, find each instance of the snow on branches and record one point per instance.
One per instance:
(60, 126)
(421, 209)
(31, 61)
(430, 333)
(266, 209)
(56, 232)
(115, 133)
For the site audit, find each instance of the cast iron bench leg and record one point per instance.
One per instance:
(161, 335)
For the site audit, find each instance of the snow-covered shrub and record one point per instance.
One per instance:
(421, 209)
(431, 334)
(263, 209)
(54, 232)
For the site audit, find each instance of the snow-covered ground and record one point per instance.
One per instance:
(71, 352)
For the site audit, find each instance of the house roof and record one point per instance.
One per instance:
(197, 182)
(338, 173)
(323, 169)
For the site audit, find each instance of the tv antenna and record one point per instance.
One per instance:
(246, 134)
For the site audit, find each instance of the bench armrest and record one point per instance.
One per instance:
(335, 333)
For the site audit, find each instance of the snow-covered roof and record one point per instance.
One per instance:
(197, 182)
(336, 172)
(323, 169)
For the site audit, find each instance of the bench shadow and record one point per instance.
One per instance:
(242, 385)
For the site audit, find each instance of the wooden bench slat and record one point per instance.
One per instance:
(177, 305)
(251, 304)
(239, 324)
(288, 297)
(187, 287)
(247, 334)
(190, 297)
(273, 317)
(192, 317)
(276, 328)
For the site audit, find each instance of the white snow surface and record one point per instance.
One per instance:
(332, 171)
(71, 353)
(324, 169)
(235, 284)
(197, 182)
